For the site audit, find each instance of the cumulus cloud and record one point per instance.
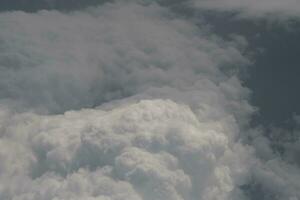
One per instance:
(128, 101)
(154, 149)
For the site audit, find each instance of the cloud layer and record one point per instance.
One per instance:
(83, 59)
(128, 101)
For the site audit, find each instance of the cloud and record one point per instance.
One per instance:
(154, 149)
(277, 173)
(55, 62)
(128, 101)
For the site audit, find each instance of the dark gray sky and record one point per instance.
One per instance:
(274, 76)
(35, 5)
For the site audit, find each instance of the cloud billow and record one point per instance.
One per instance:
(127, 101)
(56, 62)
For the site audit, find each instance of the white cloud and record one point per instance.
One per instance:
(154, 149)
(166, 109)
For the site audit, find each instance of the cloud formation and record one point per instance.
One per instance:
(83, 59)
(128, 101)
(154, 149)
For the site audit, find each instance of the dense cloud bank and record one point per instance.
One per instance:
(129, 101)
(85, 58)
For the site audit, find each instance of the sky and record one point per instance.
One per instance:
(149, 100)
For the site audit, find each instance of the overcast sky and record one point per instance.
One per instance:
(149, 100)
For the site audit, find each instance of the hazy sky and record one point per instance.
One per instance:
(149, 100)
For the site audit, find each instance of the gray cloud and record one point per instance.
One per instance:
(55, 61)
(128, 101)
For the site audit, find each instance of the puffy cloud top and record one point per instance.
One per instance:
(154, 149)
(128, 101)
